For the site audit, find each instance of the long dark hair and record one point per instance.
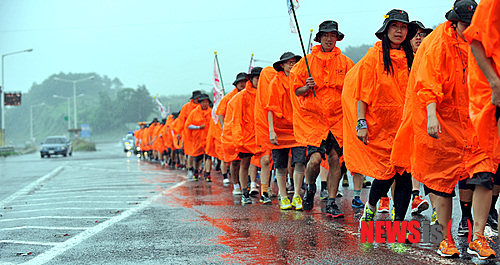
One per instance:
(386, 53)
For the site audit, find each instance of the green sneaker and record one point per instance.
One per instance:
(297, 202)
(393, 214)
(399, 247)
(285, 204)
(368, 214)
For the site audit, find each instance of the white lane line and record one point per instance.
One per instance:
(43, 227)
(61, 209)
(83, 196)
(62, 247)
(14, 206)
(106, 190)
(28, 243)
(31, 186)
(54, 217)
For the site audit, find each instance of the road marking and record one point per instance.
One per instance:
(62, 209)
(54, 217)
(43, 227)
(14, 206)
(82, 196)
(28, 243)
(70, 243)
(31, 186)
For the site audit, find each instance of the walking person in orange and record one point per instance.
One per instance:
(444, 148)
(195, 133)
(317, 111)
(225, 118)
(280, 127)
(243, 128)
(183, 114)
(373, 100)
(262, 133)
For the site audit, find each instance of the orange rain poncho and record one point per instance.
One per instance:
(314, 117)
(195, 140)
(137, 136)
(177, 143)
(243, 120)
(183, 115)
(437, 76)
(167, 133)
(278, 101)
(158, 142)
(485, 28)
(261, 100)
(228, 148)
(213, 146)
(385, 97)
(145, 139)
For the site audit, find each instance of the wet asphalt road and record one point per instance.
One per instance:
(106, 208)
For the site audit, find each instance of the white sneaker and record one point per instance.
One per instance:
(237, 191)
(339, 193)
(254, 191)
(190, 174)
(226, 181)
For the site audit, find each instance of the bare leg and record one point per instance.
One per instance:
(481, 202)
(235, 169)
(313, 167)
(334, 175)
(444, 211)
(281, 176)
(265, 173)
(298, 176)
(244, 168)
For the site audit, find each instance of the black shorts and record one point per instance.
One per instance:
(428, 190)
(179, 151)
(325, 147)
(243, 155)
(201, 158)
(280, 156)
(496, 178)
(485, 179)
(165, 152)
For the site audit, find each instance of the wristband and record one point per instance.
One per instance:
(361, 125)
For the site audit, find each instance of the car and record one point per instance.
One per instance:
(128, 143)
(56, 145)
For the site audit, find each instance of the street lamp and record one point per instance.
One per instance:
(69, 112)
(74, 91)
(31, 119)
(2, 89)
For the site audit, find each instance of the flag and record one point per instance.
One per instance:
(218, 91)
(293, 28)
(161, 108)
(252, 64)
(311, 45)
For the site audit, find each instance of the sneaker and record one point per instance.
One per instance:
(308, 202)
(237, 191)
(383, 205)
(297, 202)
(208, 179)
(271, 193)
(285, 203)
(196, 176)
(225, 181)
(481, 248)
(254, 191)
(434, 217)
(366, 183)
(393, 213)
(332, 210)
(492, 221)
(345, 181)
(264, 198)
(323, 195)
(463, 227)
(357, 203)
(368, 214)
(339, 194)
(419, 205)
(190, 174)
(448, 249)
(245, 199)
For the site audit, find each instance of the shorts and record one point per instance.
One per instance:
(244, 155)
(179, 151)
(164, 152)
(201, 158)
(497, 177)
(280, 156)
(428, 190)
(485, 179)
(325, 147)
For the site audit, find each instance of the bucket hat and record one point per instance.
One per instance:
(328, 26)
(285, 57)
(255, 71)
(239, 77)
(421, 26)
(462, 11)
(397, 15)
(196, 94)
(203, 97)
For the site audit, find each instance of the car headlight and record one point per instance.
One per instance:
(127, 143)
(128, 147)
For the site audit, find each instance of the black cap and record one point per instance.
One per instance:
(255, 71)
(285, 57)
(328, 26)
(397, 15)
(203, 97)
(421, 26)
(196, 94)
(462, 10)
(239, 77)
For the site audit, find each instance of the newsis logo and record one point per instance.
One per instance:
(404, 231)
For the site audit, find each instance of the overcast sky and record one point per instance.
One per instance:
(169, 45)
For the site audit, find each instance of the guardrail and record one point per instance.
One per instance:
(6, 150)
